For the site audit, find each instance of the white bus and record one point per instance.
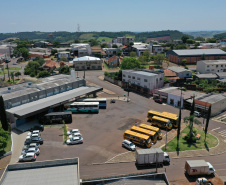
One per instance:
(81, 107)
(102, 101)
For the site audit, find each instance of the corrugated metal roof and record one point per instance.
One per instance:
(177, 69)
(86, 58)
(144, 73)
(40, 104)
(199, 52)
(209, 62)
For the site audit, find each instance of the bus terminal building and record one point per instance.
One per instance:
(25, 102)
(194, 55)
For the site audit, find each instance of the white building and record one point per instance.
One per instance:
(211, 66)
(63, 54)
(181, 72)
(81, 49)
(155, 49)
(123, 40)
(87, 63)
(140, 48)
(143, 81)
(111, 51)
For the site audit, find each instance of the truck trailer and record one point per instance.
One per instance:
(199, 167)
(151, 157)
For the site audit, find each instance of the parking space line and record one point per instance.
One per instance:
(215, 128)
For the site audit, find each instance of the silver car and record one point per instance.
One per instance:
(75, 135)
(27, 157)
(36, 145)
(73, 131)
(31, 150)
(74, 140)
(34, 132)
(129, 145)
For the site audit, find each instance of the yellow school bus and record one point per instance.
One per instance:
(146, 132)
(170, 116)
(161, 122)
(155, 129)
(140, 139)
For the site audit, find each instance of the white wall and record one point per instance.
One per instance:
(176, 99)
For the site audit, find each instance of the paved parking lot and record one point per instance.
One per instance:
(102, 133)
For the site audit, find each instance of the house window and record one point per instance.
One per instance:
(207, 66)
(212, 70)
(124, 75)
(171, 101)
(157, 81)
(129, 76)
(221, 65)
(160, 78)
(133, 77)
(216, 65)
(207, 70)
(138, 78)
(145, 80)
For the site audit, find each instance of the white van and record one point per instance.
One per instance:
(197, 114)
(129, 145)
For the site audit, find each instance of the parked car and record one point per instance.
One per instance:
(34, 132)
(36, 145)
(34, 140)
(37, 127)
(74, 140)
(203, 181)
(158, 100)
(31, 150)
(73, 131)
(32, 135)
(129, 145)
(15, 63)
(27, 157)
(75, 135)
(197, 114)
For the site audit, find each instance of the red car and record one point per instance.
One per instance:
(158, 100)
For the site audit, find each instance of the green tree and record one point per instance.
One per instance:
(56, 44)
(183, 62)
(199, 39)
(24, 52)
(197, 44)
(203, 57)
(3, 138)
(181, 46)
(212, 40)
(93, 42)
(119, 53)
(40, 60)
(130, 63)
(43, 73)
(53, 51)
(32, 68)
(166, 80)
(224, 49)
(189, 41)
(114, 46)
(3, 116)
(104, 45)
(133, 54)
(17, 74)
(64, 70)
(97, 55)
(184, 38)
(158, 59)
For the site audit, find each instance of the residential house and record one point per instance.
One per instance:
(155, 49)
(113, 61)
(194, 55)
(81, 49)
(123, 40)
(140, 48)
(49, 65)
(125, 50)
(206, 76)
(142, 81)
(181, 72)
(96, 50)
(111, 51)
(42, 44)
(211, 66)
(65, 54)
(87, 63)
(33, 56)
(172, 76)
(159, 38)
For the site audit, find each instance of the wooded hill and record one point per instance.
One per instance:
(64, 36)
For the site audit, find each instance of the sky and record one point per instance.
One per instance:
(115, 15)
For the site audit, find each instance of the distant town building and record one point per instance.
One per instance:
(194, 55)
(110, 51)
(123, 40)
(65, 54)
(140, 48)
(156, 49)
(81, 49)
(87, 63)
(211, 66)
(144, 81)
(181, 72)
(159, 38)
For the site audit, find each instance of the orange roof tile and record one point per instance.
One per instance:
(50, 63)
(169, 73)
(113, 58)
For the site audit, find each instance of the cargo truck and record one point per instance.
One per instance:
(151, 157)
(199, 167)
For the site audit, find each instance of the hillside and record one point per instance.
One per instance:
(204, 34)
(220, 36)
(85, 36)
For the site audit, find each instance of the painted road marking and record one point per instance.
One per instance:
(216, 128)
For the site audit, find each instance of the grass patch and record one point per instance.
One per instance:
(145, 66)
(107, 67)
(104, 39)
(65, 133)
(86, 36)
(14, 68)
(52, 125)
(211, 141)
(7, 148)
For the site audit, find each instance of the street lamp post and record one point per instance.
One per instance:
(166, 134)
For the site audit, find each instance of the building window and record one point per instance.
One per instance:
(138, 78)
(221, 65)
(124, 75)
(212, 70)
(216, 65)
(133, 77)
(157, 81)
(129, 76)
(145, 80)
(208, 66)
(160, 78)
(207, 70)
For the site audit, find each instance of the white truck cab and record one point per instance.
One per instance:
(211, 169)
(166, 159)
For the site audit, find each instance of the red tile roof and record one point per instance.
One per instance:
(169, 73)
(35, 55)
(204, 104)
(123, 47)
(50, 63)
(112, 58)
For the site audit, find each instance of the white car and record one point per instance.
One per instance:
(201, 180)
(27, 157)
(36, 145)
(74, 140)
(73, 131)
(129, 145)
(75, 135)
(32, 135)
(31, 150)
(34, 132)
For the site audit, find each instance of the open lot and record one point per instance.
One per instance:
(102, 133)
